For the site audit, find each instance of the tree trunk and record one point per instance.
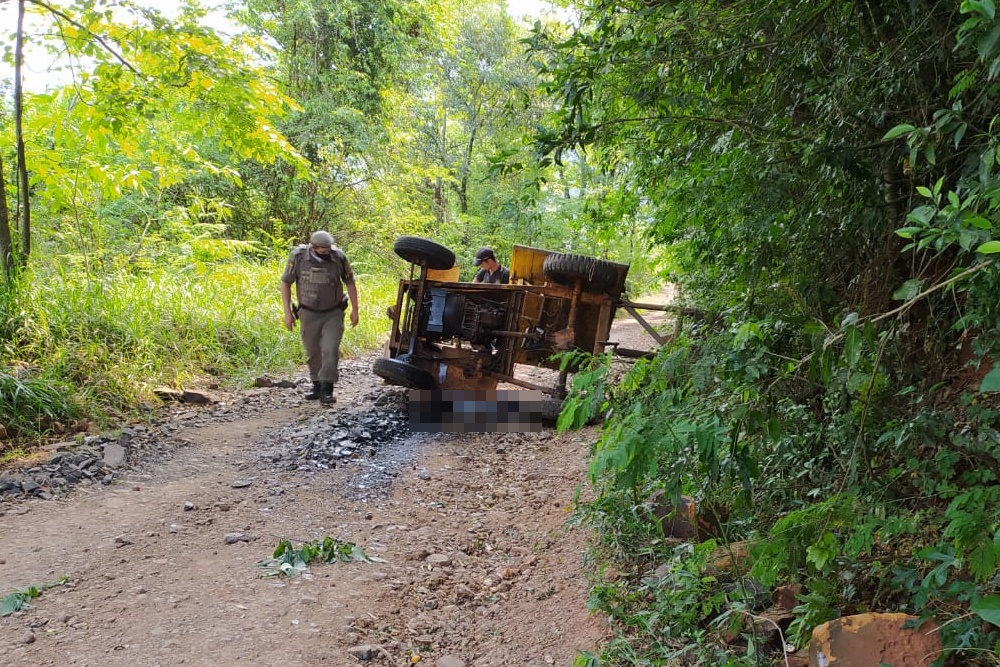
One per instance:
(20, 259)
(6, 241)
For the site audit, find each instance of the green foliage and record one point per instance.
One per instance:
(344, 63)
(666, 603)
(827, 469)
(817, 607)
(289, 560)
(18, 600)
(842, 227)
(808, 539)
(586, 659)
(587, 390)
(935, 584)
(987, 608)
(21, 599)
(96, 345)
(30, 405)
(172, 99)
(680, 415)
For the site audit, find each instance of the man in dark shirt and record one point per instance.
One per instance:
(490, 270)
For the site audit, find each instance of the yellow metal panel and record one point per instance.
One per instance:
(526, 265)
(444, 275)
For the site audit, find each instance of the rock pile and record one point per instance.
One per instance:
(329, 438)
(95, 459)
(326, 438)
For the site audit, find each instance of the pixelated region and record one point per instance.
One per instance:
(475, 411)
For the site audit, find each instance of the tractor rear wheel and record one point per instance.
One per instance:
(597, 275)
(424, 252)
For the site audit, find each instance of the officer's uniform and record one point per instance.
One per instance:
(319, 288)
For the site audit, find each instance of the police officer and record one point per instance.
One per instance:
(490, 270)
(320, 271)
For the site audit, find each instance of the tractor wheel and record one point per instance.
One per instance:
(551, 407)
(401, 373)
(597, 275)
(424, 252)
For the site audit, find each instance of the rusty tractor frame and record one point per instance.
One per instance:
(464, 336)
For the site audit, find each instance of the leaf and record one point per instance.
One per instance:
(930, 154)
(921, 214)
(10, 604)
(979, 222)
(983, 562)
(987, 608)
(981, 7)
(15, 602)
(987, 43)
(959, 133)
(852, 346)
(898, 131)
(989, 248)
(966, 239)
(991, 382)
(908, 290)
(823, 551)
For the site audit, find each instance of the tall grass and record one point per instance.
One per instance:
(105, 342)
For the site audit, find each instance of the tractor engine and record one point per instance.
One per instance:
(450, 314)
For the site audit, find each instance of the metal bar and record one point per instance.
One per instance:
(418, 308)
(546, 290)
(629, 353)
(514, 307)
(682, 310)
(395, 337)
(645, 325)
(510, 334)
(520, 383)
(649, 306)
(605, 315)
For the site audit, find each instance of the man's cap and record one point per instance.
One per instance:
(483, 255)
(321, 238)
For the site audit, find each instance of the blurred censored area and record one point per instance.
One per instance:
(466, 411)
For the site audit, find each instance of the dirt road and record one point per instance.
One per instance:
(161, 566)
(477, 564)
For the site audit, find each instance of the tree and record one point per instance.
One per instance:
(153, 101)
(752, 120)
(463, 129)
(843, 380)
(342, 61)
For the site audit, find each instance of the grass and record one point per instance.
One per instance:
(85, 346)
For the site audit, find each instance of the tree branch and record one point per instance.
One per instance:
(97, 38)
(895, 311)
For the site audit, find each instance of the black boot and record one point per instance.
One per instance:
(326, 393)
(317, 391)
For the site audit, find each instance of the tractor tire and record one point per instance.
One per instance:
(551, 407)
(596, 275)
(424, 252)
(403, 374)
